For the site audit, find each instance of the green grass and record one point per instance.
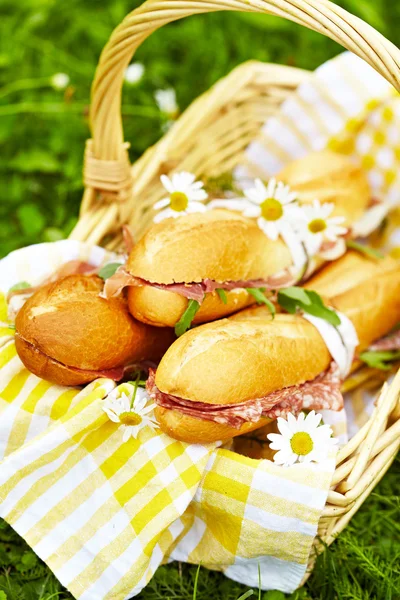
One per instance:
(42, 135)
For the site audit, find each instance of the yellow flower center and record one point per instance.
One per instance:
(271, 209)
(178, 201)
(130, 418)
(395, 252)
(301, 443)
(317, 225)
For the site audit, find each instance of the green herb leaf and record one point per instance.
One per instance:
(21, 285)
(366, 250)
(380, 360)
(297, 293)
(186, 319)
(108, 270)
(222, 294)
(258, 294)
(291, 301)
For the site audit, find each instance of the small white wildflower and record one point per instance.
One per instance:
(316, 226)
(133, 412)
(134, 73)
(166, 102)
(273, 206)
(60, 81)
(301, 440)
(185, 196)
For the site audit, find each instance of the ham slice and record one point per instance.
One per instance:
(388, 343)
(127, 236)
(321, 393)
(193, 291)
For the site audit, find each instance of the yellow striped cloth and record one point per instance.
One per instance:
(105, 514)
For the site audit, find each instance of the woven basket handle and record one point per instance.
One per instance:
(107, 168)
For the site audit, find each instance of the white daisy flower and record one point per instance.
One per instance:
(167, 102)
(185, 196)
(133, 412)
(59, 81)
(301, 440)
(316, 227)
(134, 73)
(273, 206)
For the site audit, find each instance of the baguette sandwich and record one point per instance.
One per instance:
(205, 266)
(231, 377)
(67, 334)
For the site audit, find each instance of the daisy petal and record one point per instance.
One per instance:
(161, 204)
(167, 183)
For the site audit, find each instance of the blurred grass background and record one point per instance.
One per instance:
(43, 127)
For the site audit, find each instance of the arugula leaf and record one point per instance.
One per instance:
(297, 293)
(291, 301)
(108, 270)
(222, 294)
(258, 294)
(380, 360)
(366, 250)
(186, 319)
(21, 285)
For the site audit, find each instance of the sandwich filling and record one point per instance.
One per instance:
(321, 393)
(194, 291)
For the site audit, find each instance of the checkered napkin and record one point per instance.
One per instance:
(105, 514)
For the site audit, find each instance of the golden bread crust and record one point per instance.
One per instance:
(164, 309)
(330, 177)
(232, 361)
(67, 321)
(218, 245)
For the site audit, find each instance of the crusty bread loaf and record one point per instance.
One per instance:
(218, 245)
(189, 429)
(47, 368)
(151, 305)
(330, 177)
(67, 322)
(373, 306)
(348, 271)
(250, 355)
(233, 361)
(225, 246)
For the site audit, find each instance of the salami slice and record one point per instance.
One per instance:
(388, 343)
(321, 393)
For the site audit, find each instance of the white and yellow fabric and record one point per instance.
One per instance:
(105, 514)
(345, 106)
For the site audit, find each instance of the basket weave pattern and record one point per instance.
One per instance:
(209, 139)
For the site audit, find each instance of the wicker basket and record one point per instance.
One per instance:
(210, 138)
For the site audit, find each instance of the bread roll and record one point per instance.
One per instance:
(189, 429)
(229, 362)
(66, 333)
(373, 306)
(218, 245)
(330, 177)
(233, 361)
(225, 246)
(348, 271)
(251, 355)
(150, 305)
